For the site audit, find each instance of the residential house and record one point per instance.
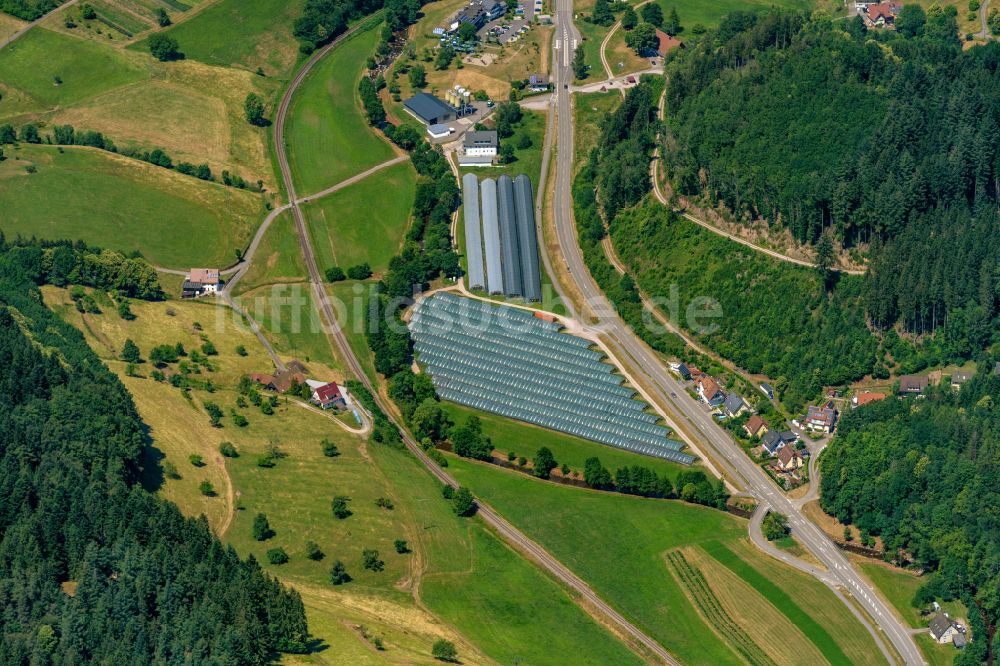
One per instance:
(201, 281)
(823, 418)
(959, 378)
(862, 399)
(958, 639)
(789, 459)
(734, 406)
(773, 441)
(430, 110)
(481, 144)
(756, 426)
(881, 15)
(666, 43)
(695, 373)
(328, 396)
(710, 391)
(943, 628)
(280, 381)
(912, 384)
(682, 370)
(767, 390)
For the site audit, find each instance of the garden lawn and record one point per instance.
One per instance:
(618, 52)
(363, 223)
(592, 35)
(31, 64)
(529, 160)
(123, 204)
(588, 530)
(233, 32)
(525, 439)
(899, 587)
(327, 136)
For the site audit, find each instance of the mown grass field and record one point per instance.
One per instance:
(592, 35)
(278, 259)
(525, 439)
(9, 25)
(327, 135)
(233, 33)
(363, 223)
(123, 204)
(617, 52)
(589, 530)
(350, 301)
(899, 588)
(31, 64)
(589, 111)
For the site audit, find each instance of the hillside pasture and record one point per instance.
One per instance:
(363, 223)
(327, 136)
(278, 258)
(123, 204)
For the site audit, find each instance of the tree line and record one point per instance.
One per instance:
(93, 567)
(925, 477)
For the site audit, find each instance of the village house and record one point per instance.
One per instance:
(822, 419)
(862, 399)
(959, 378)
(538, 83)
(789, 459)
(881, 15)
(709, 391)
(756, 426)
(773, 441)
(912, 384)
(328, 396)
(200, 282)
(943, 628)
(666, 43)
(734, 406)
(293, 374)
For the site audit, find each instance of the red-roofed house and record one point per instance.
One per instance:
(710, 392)
(756, 426)
(667, 43)
(789, 459)
(201, 281)
(881, 15)
(864, 398)
(328, 396)
(821, 418)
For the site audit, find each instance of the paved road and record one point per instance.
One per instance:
(491, 517)
(20, 33)
(705, 435)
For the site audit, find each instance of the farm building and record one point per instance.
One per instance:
(473, 232)
(507, 361)
(510, 251)
(527, 238)
(200, 282)
(481, 144)
(429, 110)
(491, 237)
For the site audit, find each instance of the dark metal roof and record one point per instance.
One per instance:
(527, 238)
(428, 107)
(509, 245)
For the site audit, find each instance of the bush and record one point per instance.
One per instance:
(444, 650)
(340, 508)
(385, 503)
(775, 526)
(261, 528)
(335, 274)
(253, 109)
(313, 551)
(359, 272)
(206, 489)
(163, 47)
(401, 546)
(228, 450)
(371, 560)
(196, 460)
(463, 503)
(277, 556)
(130, 352)
(447, 492)
(241, 350)
(330, 449)
(338, 573)
(208, 349)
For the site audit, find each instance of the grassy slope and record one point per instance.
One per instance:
(586, 530)
(710, 13)
(229, 33)
(278, 258)
(327, 136)
(525, 439)
(350, 300)
(123, 204)
(86, 69)
(364, 222)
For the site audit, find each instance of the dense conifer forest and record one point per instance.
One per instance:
(93, 567)
(925, 476)
(888, 140)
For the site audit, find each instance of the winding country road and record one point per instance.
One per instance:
(510, 533)
(703, 433)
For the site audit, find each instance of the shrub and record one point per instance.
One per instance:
(385, 503)
(335, 274)
(277, 556)
(463, 502)
(313, 551)
(359, 272)
(130, 352)
(196, 460)
(163, 47)
(401, 546)
(444, 650)
(447, 492)
(228, 450)
(371, 560)
(241, 350)
(338, 573)
(206, 489)
(261, 528)
(209, 349)
(330, 449)
(340, 508)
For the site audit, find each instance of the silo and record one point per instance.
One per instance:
(473, 234)
(510, 250)
(491, 237)
(527, 238)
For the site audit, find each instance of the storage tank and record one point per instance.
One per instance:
(491, 236)
(527, 237)
(509, 247)
(475, 278)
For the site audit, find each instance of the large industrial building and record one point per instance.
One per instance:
(509, 237)
(507, 361)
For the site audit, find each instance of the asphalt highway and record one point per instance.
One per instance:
(705, 435)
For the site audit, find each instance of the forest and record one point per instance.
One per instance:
(925, 476)
(886, 140)
(95, 568)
